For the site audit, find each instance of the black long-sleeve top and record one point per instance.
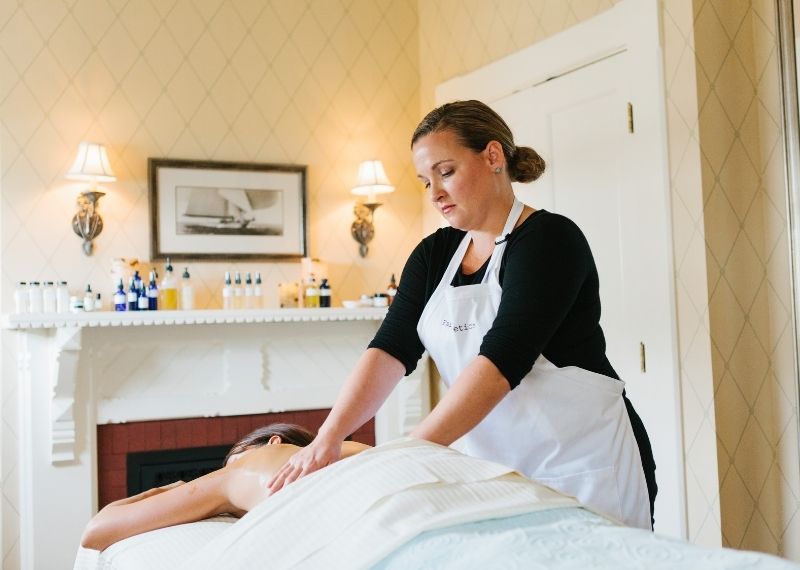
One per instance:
(550, 301)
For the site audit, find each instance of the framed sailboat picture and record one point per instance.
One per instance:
(226, 210)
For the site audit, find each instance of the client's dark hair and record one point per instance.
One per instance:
(289, 433)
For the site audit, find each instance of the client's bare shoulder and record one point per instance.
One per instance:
(350, 448)
(249, 474)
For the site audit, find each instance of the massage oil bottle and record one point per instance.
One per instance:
(169, 290)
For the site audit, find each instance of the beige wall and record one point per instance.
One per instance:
(326, 84)
(748, 275)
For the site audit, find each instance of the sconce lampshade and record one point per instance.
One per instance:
(372, 180)
(91, 163)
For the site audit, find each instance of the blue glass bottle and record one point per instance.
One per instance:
(141, 299)
(137, 281)
(133, 296)
(152, 293)
(120, 298)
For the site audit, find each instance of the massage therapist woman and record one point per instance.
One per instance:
(506, 301)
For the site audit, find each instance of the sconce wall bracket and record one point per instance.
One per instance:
(87, 223)
(363, 229)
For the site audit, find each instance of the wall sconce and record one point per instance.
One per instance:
(90, 164)
(372, 180)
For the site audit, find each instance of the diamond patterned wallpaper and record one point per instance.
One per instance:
(326, 84)
(748, 275)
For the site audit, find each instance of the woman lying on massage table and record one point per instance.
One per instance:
(236, 488)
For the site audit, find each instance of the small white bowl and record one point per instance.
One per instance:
(350, 304)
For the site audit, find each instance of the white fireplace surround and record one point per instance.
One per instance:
(78, 371)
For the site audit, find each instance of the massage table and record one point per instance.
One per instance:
(412, 504)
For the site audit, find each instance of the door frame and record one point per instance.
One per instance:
(632, 26)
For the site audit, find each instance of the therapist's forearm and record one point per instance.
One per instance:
(475, 393)
(372, 380)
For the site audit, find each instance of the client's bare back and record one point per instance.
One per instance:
(235, 489)
(250, 473)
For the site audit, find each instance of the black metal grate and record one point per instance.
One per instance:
(148, 469)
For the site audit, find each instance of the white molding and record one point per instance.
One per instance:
(67, 350)
(169, 318)
(584, 43)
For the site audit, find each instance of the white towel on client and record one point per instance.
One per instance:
(354, 512)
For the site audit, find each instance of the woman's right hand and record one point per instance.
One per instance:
(318, 454)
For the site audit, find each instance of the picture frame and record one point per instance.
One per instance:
(214, 210)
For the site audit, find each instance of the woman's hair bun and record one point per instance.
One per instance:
(526, 165)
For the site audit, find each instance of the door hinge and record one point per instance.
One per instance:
(630, 117)
(642, 358)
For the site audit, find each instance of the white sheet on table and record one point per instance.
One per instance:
(155, 550)
(351, 514)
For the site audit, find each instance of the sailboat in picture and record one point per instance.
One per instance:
(229, 211)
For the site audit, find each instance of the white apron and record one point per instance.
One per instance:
(565, 427)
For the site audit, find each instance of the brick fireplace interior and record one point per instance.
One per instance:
(116, 441)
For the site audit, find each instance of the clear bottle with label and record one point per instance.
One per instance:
(49, 298)
(120, 298)
(324, 293)
(152, 293)
(34, 297)
(238, 292)
(187, 293)
(98, 303)
(391, 290)
(88, 299)
(169, 290)
(248, 291)
(227, 292)
(62, 297)
(21, 298)
(258, 293)
(311, 298)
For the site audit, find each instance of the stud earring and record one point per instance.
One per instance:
(497, 170)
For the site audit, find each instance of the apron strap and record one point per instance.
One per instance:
(500, 242)
(458, 256)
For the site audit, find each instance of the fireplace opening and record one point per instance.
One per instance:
(148, 469)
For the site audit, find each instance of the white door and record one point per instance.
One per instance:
(579, 123)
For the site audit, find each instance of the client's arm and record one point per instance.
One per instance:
(158, 508)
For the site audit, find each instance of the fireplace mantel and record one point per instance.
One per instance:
(80, 370)
(170, 318)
